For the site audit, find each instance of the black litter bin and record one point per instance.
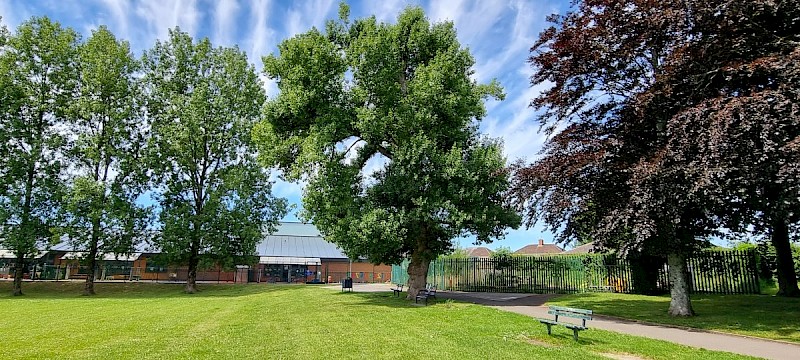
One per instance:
(347, 283)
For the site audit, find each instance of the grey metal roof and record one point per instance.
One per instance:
(296, 229)
(298, 246)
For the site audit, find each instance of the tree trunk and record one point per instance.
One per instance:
(680, 304)
(417, 274)
(787, 278)
(88, 287)
(191, 278)
(418, 267)
(19, 268)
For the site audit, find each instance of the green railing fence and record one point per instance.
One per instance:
(712, 271)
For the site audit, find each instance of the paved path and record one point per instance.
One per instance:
(533, 305)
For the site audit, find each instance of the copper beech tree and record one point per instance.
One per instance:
(669, 121)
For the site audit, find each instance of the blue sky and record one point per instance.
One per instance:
(498, 33)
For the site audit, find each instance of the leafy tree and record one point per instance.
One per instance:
(638, 84)
(599, 57)
(502, 252)
(100, 206)
(37, 68)
(381, 121)
(215, 199)
(738, 129)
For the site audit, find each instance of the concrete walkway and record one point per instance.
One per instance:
(533, 305)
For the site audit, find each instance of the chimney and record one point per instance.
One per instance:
(541, 242)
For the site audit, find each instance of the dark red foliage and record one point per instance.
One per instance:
(678, 117)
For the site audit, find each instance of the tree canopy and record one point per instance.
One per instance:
(38, 77)
(216, 200)
(381, 120)
(100, 204)
(624, 156)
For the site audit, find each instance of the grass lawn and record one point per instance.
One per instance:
(157, 321)
(762, 316)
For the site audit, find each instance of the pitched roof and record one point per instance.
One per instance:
(540, 248)
(582, 249)
(478, 252)
(298, 246)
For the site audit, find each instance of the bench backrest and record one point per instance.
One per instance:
(582, 314)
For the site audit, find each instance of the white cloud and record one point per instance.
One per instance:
(306, 14)
(262, 36)
(515, 122)
(384, 11)
(515, 52)
(224, 18)
(472, 19)
(119, 15)
(11, 15)
(161, 16)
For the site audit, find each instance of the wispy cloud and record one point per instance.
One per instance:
(262, 36)
(11, 15)
(224, 21)
(163, 15)
(305, 14)
(119, 11)
(515, 123)
(384, 11)
(472, 19)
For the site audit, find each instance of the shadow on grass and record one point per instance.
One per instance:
(137, 290)
(386, 299)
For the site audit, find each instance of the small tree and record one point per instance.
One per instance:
(380, 118)
(38, 78)
(215, 199)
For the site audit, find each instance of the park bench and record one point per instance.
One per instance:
(397, 289)
(429, 292)
(567, 312)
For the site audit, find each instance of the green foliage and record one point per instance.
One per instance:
(203, 102)
(99, 206)
(381, 120)
(503, 251)
(767, 266)
(458, 253)
(38, 78)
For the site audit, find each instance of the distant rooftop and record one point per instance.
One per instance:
(582, 249)
(540, 248)
(479, 252)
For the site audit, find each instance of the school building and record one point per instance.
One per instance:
(295, 253)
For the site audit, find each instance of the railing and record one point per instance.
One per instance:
(721, 272)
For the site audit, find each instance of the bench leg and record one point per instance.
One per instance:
(575, 334)
(548, 328)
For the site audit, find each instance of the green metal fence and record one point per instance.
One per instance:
(725, 272)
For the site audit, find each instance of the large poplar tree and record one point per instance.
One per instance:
(38, 72)
(102, 216)
(381, 119)
(215, 200)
